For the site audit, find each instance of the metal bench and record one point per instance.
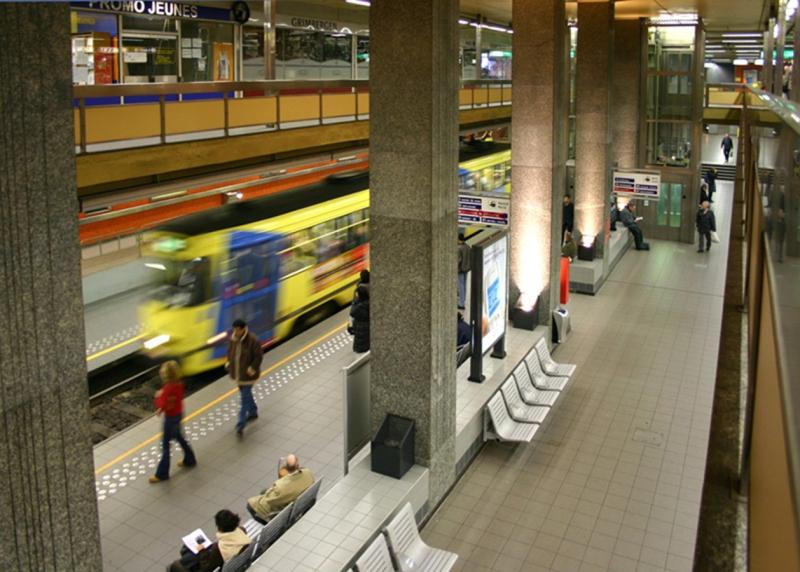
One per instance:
(272, 531)
(539, 378)
(239, 562)
(548, 365)
(406, 544)
(505, 428)
(519, 410)
(376, 558)
(305, 501)
(530, 393)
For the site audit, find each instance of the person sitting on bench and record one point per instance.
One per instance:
(292, 481)
(231, 540)
(630, 220)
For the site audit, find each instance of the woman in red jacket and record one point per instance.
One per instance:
(169, 401)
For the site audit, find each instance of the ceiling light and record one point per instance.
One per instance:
(743, 35)
(358, 2)
(741, 41)
(709, 65)
(740, 62)
(495, 28)
(759, 62)
(463, 22)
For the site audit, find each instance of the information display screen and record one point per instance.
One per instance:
(495, 294)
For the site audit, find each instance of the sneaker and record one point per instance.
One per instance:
(181, 463)
(252, 417)
(154, 479)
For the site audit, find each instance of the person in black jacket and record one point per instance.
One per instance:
(360, 314)
(711, 181)
(706, 223)
(704, 196)
(568, 216)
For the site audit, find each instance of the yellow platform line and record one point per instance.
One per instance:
(116, 347)
(217, 400)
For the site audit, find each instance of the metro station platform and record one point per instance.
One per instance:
(614, 477)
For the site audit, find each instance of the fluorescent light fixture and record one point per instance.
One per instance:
(741, 41)
(166, 196)
(358, 2)
(740, 62)
(155, 342)
(743, 35)
(493, 27)
(709, 65)
(759, 62)
(155, 266)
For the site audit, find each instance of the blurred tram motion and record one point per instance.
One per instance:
(281, 262)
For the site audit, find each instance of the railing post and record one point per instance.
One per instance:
(225, 103)
(320, 106)
(278, 110)
(82, 119)
(163, 109)
(487, 95)
(355, 90)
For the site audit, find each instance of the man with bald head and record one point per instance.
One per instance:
(292, 481)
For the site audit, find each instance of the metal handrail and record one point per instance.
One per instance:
(138, 89)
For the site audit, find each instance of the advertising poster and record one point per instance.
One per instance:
(223, 62)
(495, 292)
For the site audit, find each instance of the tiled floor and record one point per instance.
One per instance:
(613, 479)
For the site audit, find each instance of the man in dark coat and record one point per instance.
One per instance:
(704, 193)
(360, 314)
(706, 223)
(567, 216)
(630, 220)
(711, 181)
(243, 365)
(727, 146)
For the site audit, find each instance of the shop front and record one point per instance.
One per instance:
(153, 42)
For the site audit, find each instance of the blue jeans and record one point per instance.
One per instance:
(462, 289)
(248, 408)
(172, 430)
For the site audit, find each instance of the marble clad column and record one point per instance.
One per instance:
(593, 133)
(413, 200)
(538, 151)
(47, 496)
(625, 94)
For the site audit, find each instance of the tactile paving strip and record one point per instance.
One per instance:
(112, 340)
(225, 413)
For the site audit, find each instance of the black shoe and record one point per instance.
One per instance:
(252, 417)
(240, 431)
(461, 308)
(701, 250)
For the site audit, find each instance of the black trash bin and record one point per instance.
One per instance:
(393, 447)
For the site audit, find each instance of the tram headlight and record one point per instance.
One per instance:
(153, 343)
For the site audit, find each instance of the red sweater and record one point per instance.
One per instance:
(171, 399)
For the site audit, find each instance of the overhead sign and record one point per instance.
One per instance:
(319, 24)
(645, 184)
(166, 9)
(479, 209)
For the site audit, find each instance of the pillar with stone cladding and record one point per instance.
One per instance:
(625, 94)
(593, 113)
(538, 152)
(413, 223)
(47, 492)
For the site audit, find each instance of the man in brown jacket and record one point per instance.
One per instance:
(244, 361)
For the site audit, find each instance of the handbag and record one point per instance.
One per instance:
(714, 236)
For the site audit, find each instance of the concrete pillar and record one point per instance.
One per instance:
(593, 133)
(625, 93)
(795, 87)
(47, 495)
(538, 151)
(413, 204)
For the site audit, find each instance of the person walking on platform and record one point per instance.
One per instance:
(169, 401)
(711, 181)
(630, 220)
(243, 365)
(706, 224)
(727, 146)
(704, 193)
(567, 217)
(464, 266)
(359, 312)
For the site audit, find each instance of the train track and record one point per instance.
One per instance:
(121, 393)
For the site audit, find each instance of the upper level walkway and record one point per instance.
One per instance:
(134, 132)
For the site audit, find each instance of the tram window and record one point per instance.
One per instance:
(184, 282)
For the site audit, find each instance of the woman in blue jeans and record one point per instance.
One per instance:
(169, 401)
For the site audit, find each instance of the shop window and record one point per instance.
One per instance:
(95, 45)
(252, 53)
(207, 52)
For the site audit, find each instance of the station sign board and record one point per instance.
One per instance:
(637, 184)
(483, 210)
(166, 9)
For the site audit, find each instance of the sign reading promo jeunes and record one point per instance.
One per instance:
(644, 184)
(495, 292)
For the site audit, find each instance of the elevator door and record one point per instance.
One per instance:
(663, 218)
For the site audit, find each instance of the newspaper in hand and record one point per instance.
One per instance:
(196, 541)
